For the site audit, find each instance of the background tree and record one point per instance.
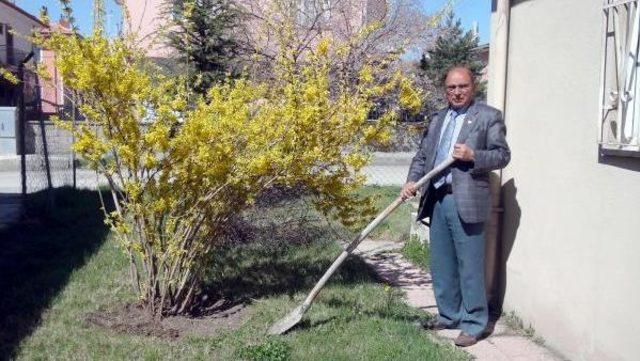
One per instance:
(374, 29)
(201, 33)
(453, 46)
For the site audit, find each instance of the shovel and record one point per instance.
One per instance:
(290, 320)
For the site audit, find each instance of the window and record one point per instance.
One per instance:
(620, 86)
(9, 45)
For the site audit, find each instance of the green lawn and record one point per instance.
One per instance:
(396, 226)
(416, 252)
(70, 268)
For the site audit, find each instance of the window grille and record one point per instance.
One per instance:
(620, 87)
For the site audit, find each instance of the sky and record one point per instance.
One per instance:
(82, 12)
(467, 10)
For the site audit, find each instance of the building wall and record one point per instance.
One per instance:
(571, 216)
(21, 24)
(149, 18)
(58, 140)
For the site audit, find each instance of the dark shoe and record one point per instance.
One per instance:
(465, 340)
(434, 325)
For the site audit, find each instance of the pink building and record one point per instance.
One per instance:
(150, 17)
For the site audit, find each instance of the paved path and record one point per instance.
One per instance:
(504, 344)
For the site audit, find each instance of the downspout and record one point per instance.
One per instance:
(495, 262)
(499, 54)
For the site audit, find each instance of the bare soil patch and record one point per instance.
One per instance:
(132, 319)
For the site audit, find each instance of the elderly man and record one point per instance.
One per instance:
(458, 202)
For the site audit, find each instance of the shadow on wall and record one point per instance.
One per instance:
(498, 254)
(494, 4)
(628, 163)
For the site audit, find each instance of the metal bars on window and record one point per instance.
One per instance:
(620, 86)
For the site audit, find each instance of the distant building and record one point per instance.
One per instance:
(15, 27)
(150, 17)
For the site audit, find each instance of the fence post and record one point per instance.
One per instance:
(22, 126)
(73, 136)
(45, 146)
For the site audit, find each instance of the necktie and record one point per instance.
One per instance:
(443, 148)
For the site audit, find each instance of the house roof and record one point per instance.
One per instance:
(20, 10)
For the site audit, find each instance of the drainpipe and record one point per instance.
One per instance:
(495, 262)
(499, 51)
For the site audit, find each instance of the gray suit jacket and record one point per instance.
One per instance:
(484, 131)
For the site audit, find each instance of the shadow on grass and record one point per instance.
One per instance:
(60, 232)
(262, 273)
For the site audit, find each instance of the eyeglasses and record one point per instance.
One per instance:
(453, 87)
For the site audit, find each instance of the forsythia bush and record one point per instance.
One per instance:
(181, 166)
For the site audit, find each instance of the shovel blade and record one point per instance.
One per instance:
(287, 322)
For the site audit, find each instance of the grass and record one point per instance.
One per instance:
(514, 322)
(396, 226)
(416, 252)
(41, 256)
(60, 272)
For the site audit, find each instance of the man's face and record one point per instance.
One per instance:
(459, 88)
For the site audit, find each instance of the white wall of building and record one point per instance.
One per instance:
(572, 216)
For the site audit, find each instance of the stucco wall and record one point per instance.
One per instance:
(573, 270)
(148, 17)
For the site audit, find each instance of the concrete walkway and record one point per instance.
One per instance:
(504, 344)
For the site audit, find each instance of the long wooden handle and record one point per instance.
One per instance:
(365, 232)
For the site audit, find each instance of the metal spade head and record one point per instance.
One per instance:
(287, 322)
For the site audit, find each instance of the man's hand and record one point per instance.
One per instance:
(463, 152)
(408, 190)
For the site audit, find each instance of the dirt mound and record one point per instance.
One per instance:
(132, 319)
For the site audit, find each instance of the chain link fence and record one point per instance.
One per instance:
(36, 155)
(390, 164)
(46, 158)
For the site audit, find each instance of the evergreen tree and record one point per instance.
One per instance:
(453, 47)
(202, 36)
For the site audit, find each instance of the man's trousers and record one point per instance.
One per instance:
(457, 268)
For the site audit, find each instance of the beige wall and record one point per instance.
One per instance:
(573, 272)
